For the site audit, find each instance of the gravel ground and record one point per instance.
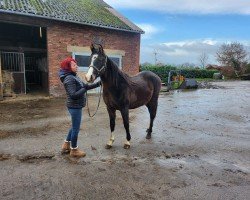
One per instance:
(199, 149)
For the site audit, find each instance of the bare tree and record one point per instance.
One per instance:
(203, 58)
(232, 55)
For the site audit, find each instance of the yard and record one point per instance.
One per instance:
(199, 149)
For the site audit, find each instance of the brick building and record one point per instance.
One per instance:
(35, 35)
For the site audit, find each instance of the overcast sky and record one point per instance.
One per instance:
(181, 30)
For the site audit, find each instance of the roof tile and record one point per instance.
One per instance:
(88, 12)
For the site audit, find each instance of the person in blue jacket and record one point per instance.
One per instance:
(76, 100)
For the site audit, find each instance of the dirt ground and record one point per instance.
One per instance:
(200, 149)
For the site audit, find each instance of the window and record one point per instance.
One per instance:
(83, 60)
(116, 60)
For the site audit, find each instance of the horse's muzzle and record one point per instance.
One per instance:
(90, 77)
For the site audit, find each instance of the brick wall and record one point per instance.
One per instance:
(62, 34)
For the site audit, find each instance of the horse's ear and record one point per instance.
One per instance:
(101, 51)
(92, 48)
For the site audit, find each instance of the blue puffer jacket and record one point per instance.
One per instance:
(75, 89)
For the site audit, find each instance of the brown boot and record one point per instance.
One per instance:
(66, 147)
(75, 152)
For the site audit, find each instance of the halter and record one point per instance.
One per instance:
(99, 71)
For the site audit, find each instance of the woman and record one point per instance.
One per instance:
(76, 100)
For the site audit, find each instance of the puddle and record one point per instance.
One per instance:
(243, 167)
(171, 163)
(228, 166)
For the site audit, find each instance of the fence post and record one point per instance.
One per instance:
(1, 80)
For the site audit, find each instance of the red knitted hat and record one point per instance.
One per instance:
(65, 64)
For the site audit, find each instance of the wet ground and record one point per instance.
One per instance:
(200, 149)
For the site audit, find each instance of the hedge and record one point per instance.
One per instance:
(162, 72)
(247, 68)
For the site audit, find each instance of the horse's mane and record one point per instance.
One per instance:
(117, 76)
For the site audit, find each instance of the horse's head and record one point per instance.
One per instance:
(98, 63)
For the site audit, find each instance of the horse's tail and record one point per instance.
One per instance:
(157, 85)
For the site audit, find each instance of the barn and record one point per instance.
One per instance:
(35, 35)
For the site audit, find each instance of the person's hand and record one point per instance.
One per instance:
(99, 83)
(93, 85)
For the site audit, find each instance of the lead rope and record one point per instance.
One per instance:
(100, 94)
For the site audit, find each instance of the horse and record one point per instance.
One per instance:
(123, 92)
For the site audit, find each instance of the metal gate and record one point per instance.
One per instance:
(15, 64)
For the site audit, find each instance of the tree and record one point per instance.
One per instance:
(232, 55)
(187, 65)
(247, 68)
(203, 58)
(146, 64)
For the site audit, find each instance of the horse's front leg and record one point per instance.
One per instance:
(125, 117)
(112, 116)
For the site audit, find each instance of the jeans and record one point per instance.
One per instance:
(76, 118)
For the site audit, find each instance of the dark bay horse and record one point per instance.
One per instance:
(122, 92)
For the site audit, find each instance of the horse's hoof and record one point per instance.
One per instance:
(126, 146)
(148, 136)
(108, 146)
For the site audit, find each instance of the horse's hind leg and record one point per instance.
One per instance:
(125, 117)
(112, 116)
(152, 108)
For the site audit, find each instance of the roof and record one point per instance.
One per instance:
(87, 12)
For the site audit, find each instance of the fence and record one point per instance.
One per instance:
(13, 62)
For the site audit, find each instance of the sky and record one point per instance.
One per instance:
(180, 31)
